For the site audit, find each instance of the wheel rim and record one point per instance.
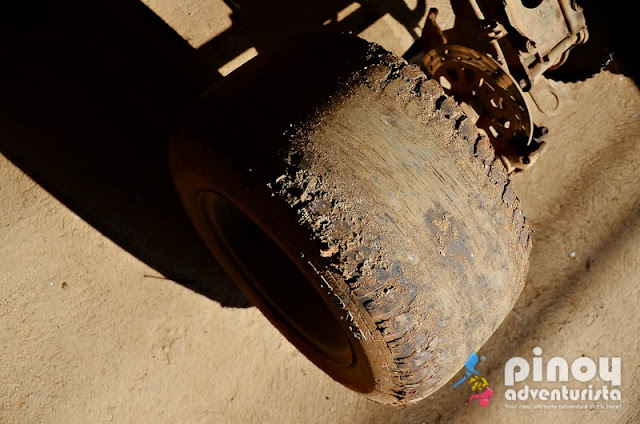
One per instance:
(476, 79)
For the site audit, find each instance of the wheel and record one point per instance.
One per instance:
(358, 209)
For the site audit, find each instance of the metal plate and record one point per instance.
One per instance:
(475, 79)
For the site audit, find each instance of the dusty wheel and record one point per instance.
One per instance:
(358, 209)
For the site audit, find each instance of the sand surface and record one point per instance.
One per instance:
(111, 310)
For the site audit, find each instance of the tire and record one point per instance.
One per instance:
(358, 209)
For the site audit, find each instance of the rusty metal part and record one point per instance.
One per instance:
(551, 27)
(479, 83)
(508, 45)
(546, 22)
(544, 97)
(558, 55)
(493, 40)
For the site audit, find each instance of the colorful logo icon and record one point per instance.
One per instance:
(479, 385)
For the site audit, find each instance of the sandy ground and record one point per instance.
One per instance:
(98, 325)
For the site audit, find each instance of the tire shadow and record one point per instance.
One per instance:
(90, 91)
